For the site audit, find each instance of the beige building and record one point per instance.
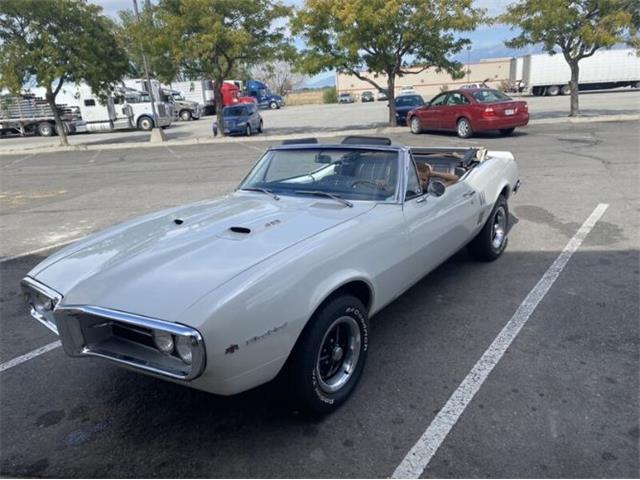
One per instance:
(429, 83)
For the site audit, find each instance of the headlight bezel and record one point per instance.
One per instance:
(41, 301)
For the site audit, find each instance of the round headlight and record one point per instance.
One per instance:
(183, 347)
(163, 340)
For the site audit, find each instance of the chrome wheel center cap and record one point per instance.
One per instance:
(336, 354)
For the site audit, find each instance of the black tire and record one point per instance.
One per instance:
(485, 246)
(565, 90)
(507, 131)
(145, 124)
(45, 129)
(463, 128)
(415, 125)
(553, 90)
(186, 115)
(308, 385)
(273, 106)
(260, 127)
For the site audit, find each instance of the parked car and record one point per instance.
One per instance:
(367, 97)
(474, 85)
(241, 118)
(283, 274)
(345, 98)
(469, 111)
(404, 104)
(407, 91)
(382, 96)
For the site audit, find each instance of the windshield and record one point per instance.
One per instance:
(489, 96)
(352, 174)
(178, 96)
(409, 101)
(235, 111)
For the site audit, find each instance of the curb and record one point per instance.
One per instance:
(273, 138)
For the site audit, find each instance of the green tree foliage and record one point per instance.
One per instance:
(217, 38)
(58, 41)
(577, 28)
(138, 37)
(385, 37)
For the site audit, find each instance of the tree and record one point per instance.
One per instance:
(218, 37)
(280, 76)
(578, 28)
(58, 41)
(386, 37)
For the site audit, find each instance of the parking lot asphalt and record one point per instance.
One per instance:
(307, 119)
(562, 402)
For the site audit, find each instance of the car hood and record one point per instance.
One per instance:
(160, 264)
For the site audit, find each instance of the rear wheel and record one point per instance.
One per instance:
(260, 127)
(507, 131)
(464, 129)
(415, 125)
(328, 360)
(248, 131)
(565, 90)
(45, 129)
(553, 90)
(492, 239)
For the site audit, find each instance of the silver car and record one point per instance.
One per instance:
(282, 275)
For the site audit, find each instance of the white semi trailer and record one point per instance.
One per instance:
(545, 74)
(200, 91)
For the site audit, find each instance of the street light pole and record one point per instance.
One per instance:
(146, 73)
(468, 62)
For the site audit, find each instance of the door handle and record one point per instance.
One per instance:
(469, 194)
(422, 199)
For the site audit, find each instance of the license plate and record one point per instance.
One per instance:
(226, 130)
(509, 111)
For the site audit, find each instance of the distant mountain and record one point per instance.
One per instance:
(499, 50)
(321, 80)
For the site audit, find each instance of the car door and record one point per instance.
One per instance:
(456, 106)
(439, 226)
(431, 115)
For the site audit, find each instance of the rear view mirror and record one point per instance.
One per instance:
(322, 158)
(436, 188)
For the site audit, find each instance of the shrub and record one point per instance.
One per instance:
(330, 95)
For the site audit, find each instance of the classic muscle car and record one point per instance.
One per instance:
(283, 274)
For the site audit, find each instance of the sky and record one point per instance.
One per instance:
(487, 42)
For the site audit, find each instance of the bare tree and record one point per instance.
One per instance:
(280, 76)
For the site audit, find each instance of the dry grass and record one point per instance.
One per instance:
(304, 98)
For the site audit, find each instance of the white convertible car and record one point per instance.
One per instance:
(283, 274)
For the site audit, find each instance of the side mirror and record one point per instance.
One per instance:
(426, 104)
(436, 188)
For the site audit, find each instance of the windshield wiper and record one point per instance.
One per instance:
(320, 193)
(263, 190)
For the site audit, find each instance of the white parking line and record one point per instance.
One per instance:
(414, 463)
(28, 356)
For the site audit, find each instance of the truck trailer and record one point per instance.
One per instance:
(30, 115)
(544, 74)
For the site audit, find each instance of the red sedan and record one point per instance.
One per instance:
(468, 111)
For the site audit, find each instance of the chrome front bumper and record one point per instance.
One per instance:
(121, 337)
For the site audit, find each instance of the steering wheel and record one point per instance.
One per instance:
(369, 182)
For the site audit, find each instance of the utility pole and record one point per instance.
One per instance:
(149, 86)
(468, 62)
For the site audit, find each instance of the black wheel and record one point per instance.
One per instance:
(565, 90)
(186, 115)
(45, 129)
(273, 106)
(248, 131)
(507, 131)
(260, 127)
(329, 357)
(464, 129)
(492, 239)
(553, 90)
(145, 123)
(415, 125)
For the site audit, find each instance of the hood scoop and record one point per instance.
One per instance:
(242, 230)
